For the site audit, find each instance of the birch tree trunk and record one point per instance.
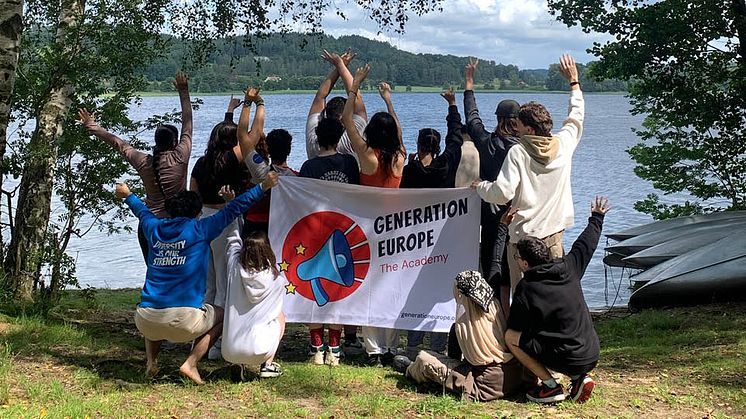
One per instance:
(11, 27)
(24, 258)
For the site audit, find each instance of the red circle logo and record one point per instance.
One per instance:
(325, 257)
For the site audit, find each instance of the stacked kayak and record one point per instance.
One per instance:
(684, 260)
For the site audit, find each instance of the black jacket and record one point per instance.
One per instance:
(441, 173)
(549, 308)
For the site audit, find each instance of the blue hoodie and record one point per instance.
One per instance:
(180, 251)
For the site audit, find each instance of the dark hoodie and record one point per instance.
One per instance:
(549, 308)
(441, 173)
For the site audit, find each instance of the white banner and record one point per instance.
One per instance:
(372, 256)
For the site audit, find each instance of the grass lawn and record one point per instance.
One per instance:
(87, 360)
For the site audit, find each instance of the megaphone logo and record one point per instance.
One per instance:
(325, 257)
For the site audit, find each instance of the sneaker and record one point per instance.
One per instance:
(544, 394)
(270, 371)
(215, 353)
(374, 360)
(353, 347)
(332, 356)
(581, 389)
(401, 363)
(316, 355)
(387, 359)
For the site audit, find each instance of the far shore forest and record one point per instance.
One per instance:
(292, 62)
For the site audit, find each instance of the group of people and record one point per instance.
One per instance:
(211, 271)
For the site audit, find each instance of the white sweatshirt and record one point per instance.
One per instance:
(541, 192)
(251, 331)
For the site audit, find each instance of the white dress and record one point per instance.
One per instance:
(251, 331)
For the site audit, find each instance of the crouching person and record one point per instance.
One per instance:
(488, 370)
(172, 300)
(549, 324)
(254, 322)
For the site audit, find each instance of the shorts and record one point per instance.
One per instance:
(174, 324)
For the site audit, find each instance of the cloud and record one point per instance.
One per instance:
(520, 32)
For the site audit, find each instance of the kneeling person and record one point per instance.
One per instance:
(549, 324)
(172, 300)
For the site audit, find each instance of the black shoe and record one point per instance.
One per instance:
(401, 363)
(544, 394)
(581, 389)
(374, 360)
(387, 359)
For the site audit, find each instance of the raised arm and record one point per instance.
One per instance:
(572, 129)
(582, 250)
(233, 103)
(366, 155)
(185, 144)
(455, 136)
(247, 140)
(474, 124)
(137, 207)
(341, 64)
(384, 89)
(133, 156)
(319, 101)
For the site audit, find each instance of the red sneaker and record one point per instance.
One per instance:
(581, 389)
(544, 394)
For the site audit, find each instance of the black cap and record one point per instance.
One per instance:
(508, 109)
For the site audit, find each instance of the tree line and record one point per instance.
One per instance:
(294, 60)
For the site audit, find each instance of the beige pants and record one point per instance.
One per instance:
(474, 382)
(174, 324)
(553, 242)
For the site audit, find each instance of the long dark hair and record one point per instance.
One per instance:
(166, 139)
(382, 135)
(222, 138)
(428, 141)
(257, 253)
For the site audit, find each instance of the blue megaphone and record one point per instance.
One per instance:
(333, 262)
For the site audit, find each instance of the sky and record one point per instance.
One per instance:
(520, 32)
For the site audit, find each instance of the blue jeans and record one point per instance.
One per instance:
(438, 341)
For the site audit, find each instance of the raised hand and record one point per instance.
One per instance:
(181, 83)
(469, 71)
(122, 190)
(347, 56)
(270, 181)
(86, 118)
(360, 75)
(568, 68)
(600, 205)
(508, 216)
(384, 89)
(449, 96)
(233, 103)
(226, 192)
(252, 95)
(332, 58)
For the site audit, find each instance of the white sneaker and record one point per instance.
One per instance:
(316, 355)
(332, 355)
(215, 352)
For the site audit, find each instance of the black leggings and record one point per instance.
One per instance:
(494, 272)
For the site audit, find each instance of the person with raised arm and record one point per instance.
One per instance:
(428, 168)
(278, 146)
(549, 324)
(164, 172)
(492, 148)
(320, 108)
(381, 155)
(172, 305)
(535, 176)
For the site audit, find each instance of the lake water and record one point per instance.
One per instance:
(600, 166)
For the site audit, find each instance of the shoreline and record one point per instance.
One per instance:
(341, 92)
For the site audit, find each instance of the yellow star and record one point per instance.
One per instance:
(300, 249)
(290, 288)
(284, 266)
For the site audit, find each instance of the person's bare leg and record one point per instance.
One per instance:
(512, 338)
(201, 345)
(281, 319)
(152, 347)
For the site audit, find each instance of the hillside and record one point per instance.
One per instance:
(295, 60)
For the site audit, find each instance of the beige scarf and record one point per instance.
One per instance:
(481, 335)
(541, 149)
